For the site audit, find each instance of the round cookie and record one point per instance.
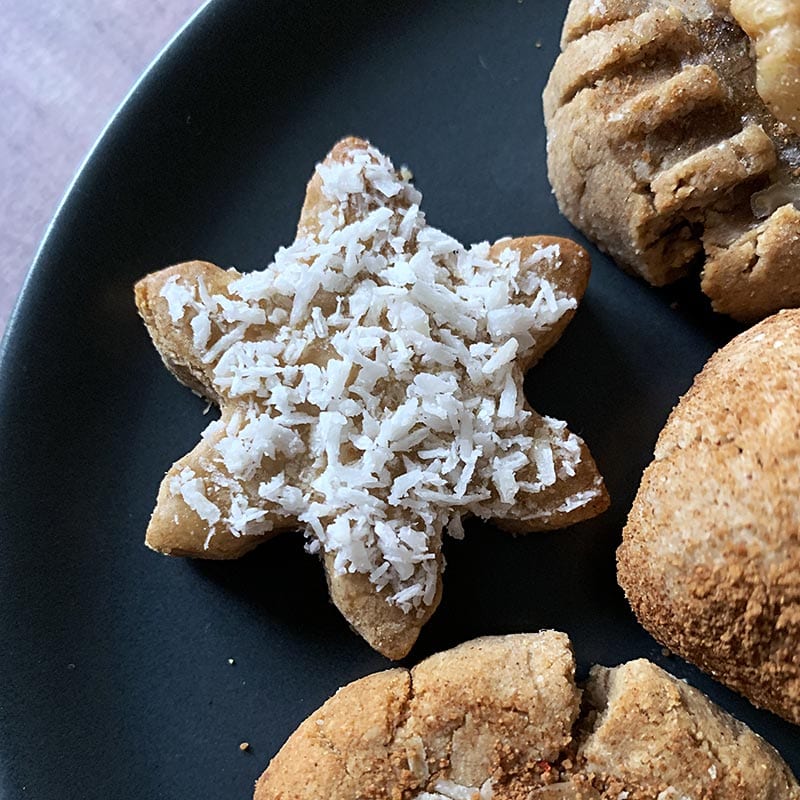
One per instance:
(501, 718)
(673, 139)
(710, 557)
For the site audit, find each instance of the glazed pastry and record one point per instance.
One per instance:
(710, 558)
(369, 381)
(501, 718)
(673, 139)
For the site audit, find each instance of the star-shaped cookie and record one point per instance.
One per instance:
(369, 381)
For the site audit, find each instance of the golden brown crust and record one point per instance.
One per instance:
(176, 529)
(659, 144)
(457, 716)
(494, 704)
(767, 254)
(315, 202)
(507, 708)
(346, 748)
(570, 277)
(384, 627)
(172, 339)
(660, 734)
(554, 508)
(710, 558)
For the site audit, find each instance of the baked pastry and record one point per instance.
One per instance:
(369, 381)
(501, 718)
(673, 139)
(710, 557)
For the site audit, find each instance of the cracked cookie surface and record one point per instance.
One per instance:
(662, 150)
(502, 718)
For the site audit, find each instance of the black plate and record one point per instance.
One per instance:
(114, 670)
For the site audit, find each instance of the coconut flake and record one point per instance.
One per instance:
(455, 791)
(193, 491)
(178, 297)
(504, 355)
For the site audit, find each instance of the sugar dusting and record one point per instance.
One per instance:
(375, 367)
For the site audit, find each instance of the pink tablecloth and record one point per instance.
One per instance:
(65, 67)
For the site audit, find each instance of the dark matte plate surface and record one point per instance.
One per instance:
(114, 675)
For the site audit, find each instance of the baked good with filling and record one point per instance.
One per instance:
(674, 139)
(370, 387)
(502, 718)
(710, 557)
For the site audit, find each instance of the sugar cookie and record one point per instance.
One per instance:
(710, 558)
(501, 718)
(369, 381)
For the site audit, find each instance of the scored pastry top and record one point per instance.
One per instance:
(673, 139)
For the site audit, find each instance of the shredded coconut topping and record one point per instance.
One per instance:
(375, 367)
(449, 790)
